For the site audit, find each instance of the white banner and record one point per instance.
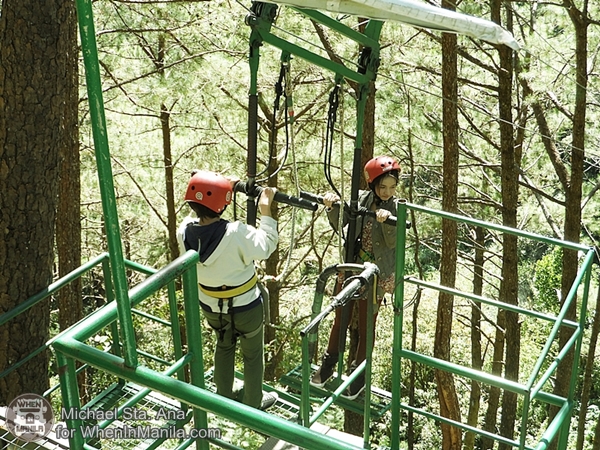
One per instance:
(415, 13)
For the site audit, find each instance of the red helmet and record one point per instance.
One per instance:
(209, 189)
(378, 166)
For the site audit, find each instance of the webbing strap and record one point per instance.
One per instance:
(227, 292)
(365, 256)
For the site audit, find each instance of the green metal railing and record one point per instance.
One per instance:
(70, 347)
(123, 361)
(46, 294)
(530, 391)
(366, 277)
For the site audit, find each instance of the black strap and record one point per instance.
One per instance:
(221, 330)
(234, 332)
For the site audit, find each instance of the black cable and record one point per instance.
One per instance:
(334, 102)
(279, 91)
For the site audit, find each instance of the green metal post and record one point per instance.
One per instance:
(524, 420)
(260, 20)
(398, 319)
(372, 301)
(368, 64)
(110, 296)
(70, 397)
(305, 394)
(564, 432)
(176, 332)
(194, 336)
(105, 176)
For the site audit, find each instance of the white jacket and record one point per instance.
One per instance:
(232, 262)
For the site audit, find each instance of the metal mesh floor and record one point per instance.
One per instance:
(118, 394)
(154, 411)
(381, 401)
(286, 406)
(10, 442)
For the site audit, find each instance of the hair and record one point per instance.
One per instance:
(395, 174)
(204, 212)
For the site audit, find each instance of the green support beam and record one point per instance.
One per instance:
(70, 345)
(105, 177)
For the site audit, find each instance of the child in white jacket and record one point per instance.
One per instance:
(230, 298)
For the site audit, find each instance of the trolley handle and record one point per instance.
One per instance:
(362, 211)
(280, 197)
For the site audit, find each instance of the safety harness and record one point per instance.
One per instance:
(227, 293)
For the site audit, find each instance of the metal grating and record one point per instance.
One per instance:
(381, 401)
(10, 442)
(286, 407)
(145, 412)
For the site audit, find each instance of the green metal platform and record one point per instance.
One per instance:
(10, 442)
(380, 399)
(120, 394)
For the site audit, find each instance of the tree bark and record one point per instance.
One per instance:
(572, 227)
(449, 406)
(476, 354)
(165, 116)
(68, 221)
(510, 163)
(34, 85)
(271, 264)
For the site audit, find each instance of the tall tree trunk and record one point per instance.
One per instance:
(510, 189)
(165, 126)
(573, 196)
(68, 221)
(449, 407)
(353, 422)
(476, 354)
(34, 85)
(165, 116)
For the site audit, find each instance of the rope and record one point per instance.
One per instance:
(341, 252)
(278, 93)
(289, 107)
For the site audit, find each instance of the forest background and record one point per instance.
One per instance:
(512, 138)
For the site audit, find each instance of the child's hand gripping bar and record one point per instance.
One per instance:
(280, 197)
(361, 210)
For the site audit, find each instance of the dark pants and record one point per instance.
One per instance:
(333, 347)
(247, 323)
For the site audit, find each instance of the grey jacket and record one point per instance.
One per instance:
(384, 236)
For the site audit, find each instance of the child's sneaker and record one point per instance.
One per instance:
(268, 400)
